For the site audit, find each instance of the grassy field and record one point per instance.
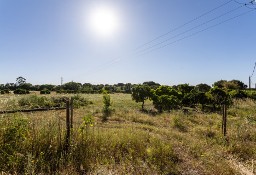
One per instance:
(131, 141)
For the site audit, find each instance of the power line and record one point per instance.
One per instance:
(200, 25)
(253, 69)
(196, 33)
(185, 24)
(136, 52)
(251, 3)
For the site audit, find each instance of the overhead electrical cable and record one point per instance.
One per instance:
(200, 25)
(196, 33)
(139, 51)
(253, 69)
(185, 24)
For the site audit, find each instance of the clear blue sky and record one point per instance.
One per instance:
(44, 40)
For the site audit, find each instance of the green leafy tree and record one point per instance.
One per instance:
(203, 87)
(72, 86)
(238, 84)
(218, 97)
(151, 84)
(184, 88)
(140, 93)
(107, 106)
(166, 98)
(220, 83)
(20, 81)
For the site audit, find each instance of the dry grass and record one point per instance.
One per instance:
(132, 141)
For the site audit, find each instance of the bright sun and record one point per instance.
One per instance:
(103, 21)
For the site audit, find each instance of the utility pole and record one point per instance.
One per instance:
(249, 82)
(61, 81)
(250, 77)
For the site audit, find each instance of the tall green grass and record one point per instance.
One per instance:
(130, 142)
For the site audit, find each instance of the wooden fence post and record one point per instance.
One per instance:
(67, 141)
(224, 120)
(71, 113)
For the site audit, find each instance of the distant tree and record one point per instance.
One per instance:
(238, 94)
(140, 93)
(26, 86)
(87, 88)
(72, 86)
(152, 84)
(218, 97)
(1, 86)
(239, 84)
(184, 88)
(165, 98)
(220, 83)
(50, 87)
(233, 84)
(45, 91)
(20, 81)
(128, 88)
(21, 91)
(203, 87)
(10, 86)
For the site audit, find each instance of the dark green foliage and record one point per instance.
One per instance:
(10, 150)
(47, 86)
(165, 98)
(151, 84)
(72, 87)
(218, 97)
(203, 87)
(35, 101)
(107, 106)
(238, 94)
(220, 83)
(184, 88)
(79, 101)
(45, 91)
(140, 93)
(21, 91)
(233, 84)
(4, 91)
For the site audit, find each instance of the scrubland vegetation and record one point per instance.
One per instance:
(129, 141)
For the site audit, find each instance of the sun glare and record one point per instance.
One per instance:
(103, 21)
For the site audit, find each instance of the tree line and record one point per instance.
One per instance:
(164, 98)
(167, 98)
(21, 86)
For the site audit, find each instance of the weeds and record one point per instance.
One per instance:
(129, 143)
(107, 106)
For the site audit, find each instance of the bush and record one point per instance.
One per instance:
(80, 101)
(21, 91)
(35, 101)
(45, 91)
(238, 94)
(5, 91)
(107, 106)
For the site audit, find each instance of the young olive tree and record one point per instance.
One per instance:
(140, 93)
(166, 98)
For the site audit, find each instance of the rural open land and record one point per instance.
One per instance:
(130, 141)
(107, 87)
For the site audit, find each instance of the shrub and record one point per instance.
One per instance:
(79, 101)
(21, 91)
(238, 94)
(5, 91)
(107, 106)
(45, 91)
